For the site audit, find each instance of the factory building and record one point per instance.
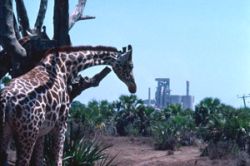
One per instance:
(164, 98)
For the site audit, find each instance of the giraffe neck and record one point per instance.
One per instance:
(70, 61)
(94, 58)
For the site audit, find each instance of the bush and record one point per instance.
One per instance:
(92, 118)
(174, 127)
(79, 152)
(218, 123)
(131, 118)
(86, 152)
(164, 136)
(220, 149)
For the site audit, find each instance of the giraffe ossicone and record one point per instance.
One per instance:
(37, 102)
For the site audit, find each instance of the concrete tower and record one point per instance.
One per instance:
(162, 92)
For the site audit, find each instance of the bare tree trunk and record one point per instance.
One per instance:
(61, 23)
(22, 17)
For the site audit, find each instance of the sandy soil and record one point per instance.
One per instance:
(139, 152)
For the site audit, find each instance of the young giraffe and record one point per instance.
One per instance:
(37, 102)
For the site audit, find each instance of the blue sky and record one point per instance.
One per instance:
(205, 42)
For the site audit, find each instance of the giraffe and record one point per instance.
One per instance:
(37, 102)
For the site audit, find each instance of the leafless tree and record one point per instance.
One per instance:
(23, 46)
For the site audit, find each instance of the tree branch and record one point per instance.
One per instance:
(81, 83)
(41, 14)
(77, 14)
(22, 17)
(86, 17)
(7, 32)
(16, 28)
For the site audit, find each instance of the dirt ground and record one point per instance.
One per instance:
(134, 151)
(139, 151)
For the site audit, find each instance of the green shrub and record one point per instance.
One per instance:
(219, 123)
(164, 136)
(220, 149)
(131, 118)
(86, 153)
(173, 127)
(93, 117)
(79, 151)
(131, 130)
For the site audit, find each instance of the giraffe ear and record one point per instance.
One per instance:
(127, 55)
(124, 49)
(130, 51)
(129, 47)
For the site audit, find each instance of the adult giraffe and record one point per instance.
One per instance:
(37, 102)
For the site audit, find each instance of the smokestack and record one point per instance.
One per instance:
(149, 96)
(187, 88)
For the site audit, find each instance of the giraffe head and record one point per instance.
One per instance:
(123, 68)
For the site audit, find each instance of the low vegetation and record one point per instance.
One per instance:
(222, 129)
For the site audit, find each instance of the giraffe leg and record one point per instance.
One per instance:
(7, 135)
(37, 155)
(58, 143)
(24, 151)
(25, 143)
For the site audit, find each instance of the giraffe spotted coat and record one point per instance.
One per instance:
(37, 102)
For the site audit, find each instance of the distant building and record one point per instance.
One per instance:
(163, 98)
(162, 93)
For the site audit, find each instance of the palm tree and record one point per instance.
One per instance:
(205, 108)
(130, 113)
(130, 103)
(106, 109)
(77, 111)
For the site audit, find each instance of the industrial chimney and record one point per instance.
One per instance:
(149, 97)
(187, 88)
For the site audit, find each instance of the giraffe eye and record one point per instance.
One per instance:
(130, 66)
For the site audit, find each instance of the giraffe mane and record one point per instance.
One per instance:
(78, 48)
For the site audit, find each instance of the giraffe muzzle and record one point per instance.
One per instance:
(132, 88)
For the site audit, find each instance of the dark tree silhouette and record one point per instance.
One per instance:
(23, 46)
